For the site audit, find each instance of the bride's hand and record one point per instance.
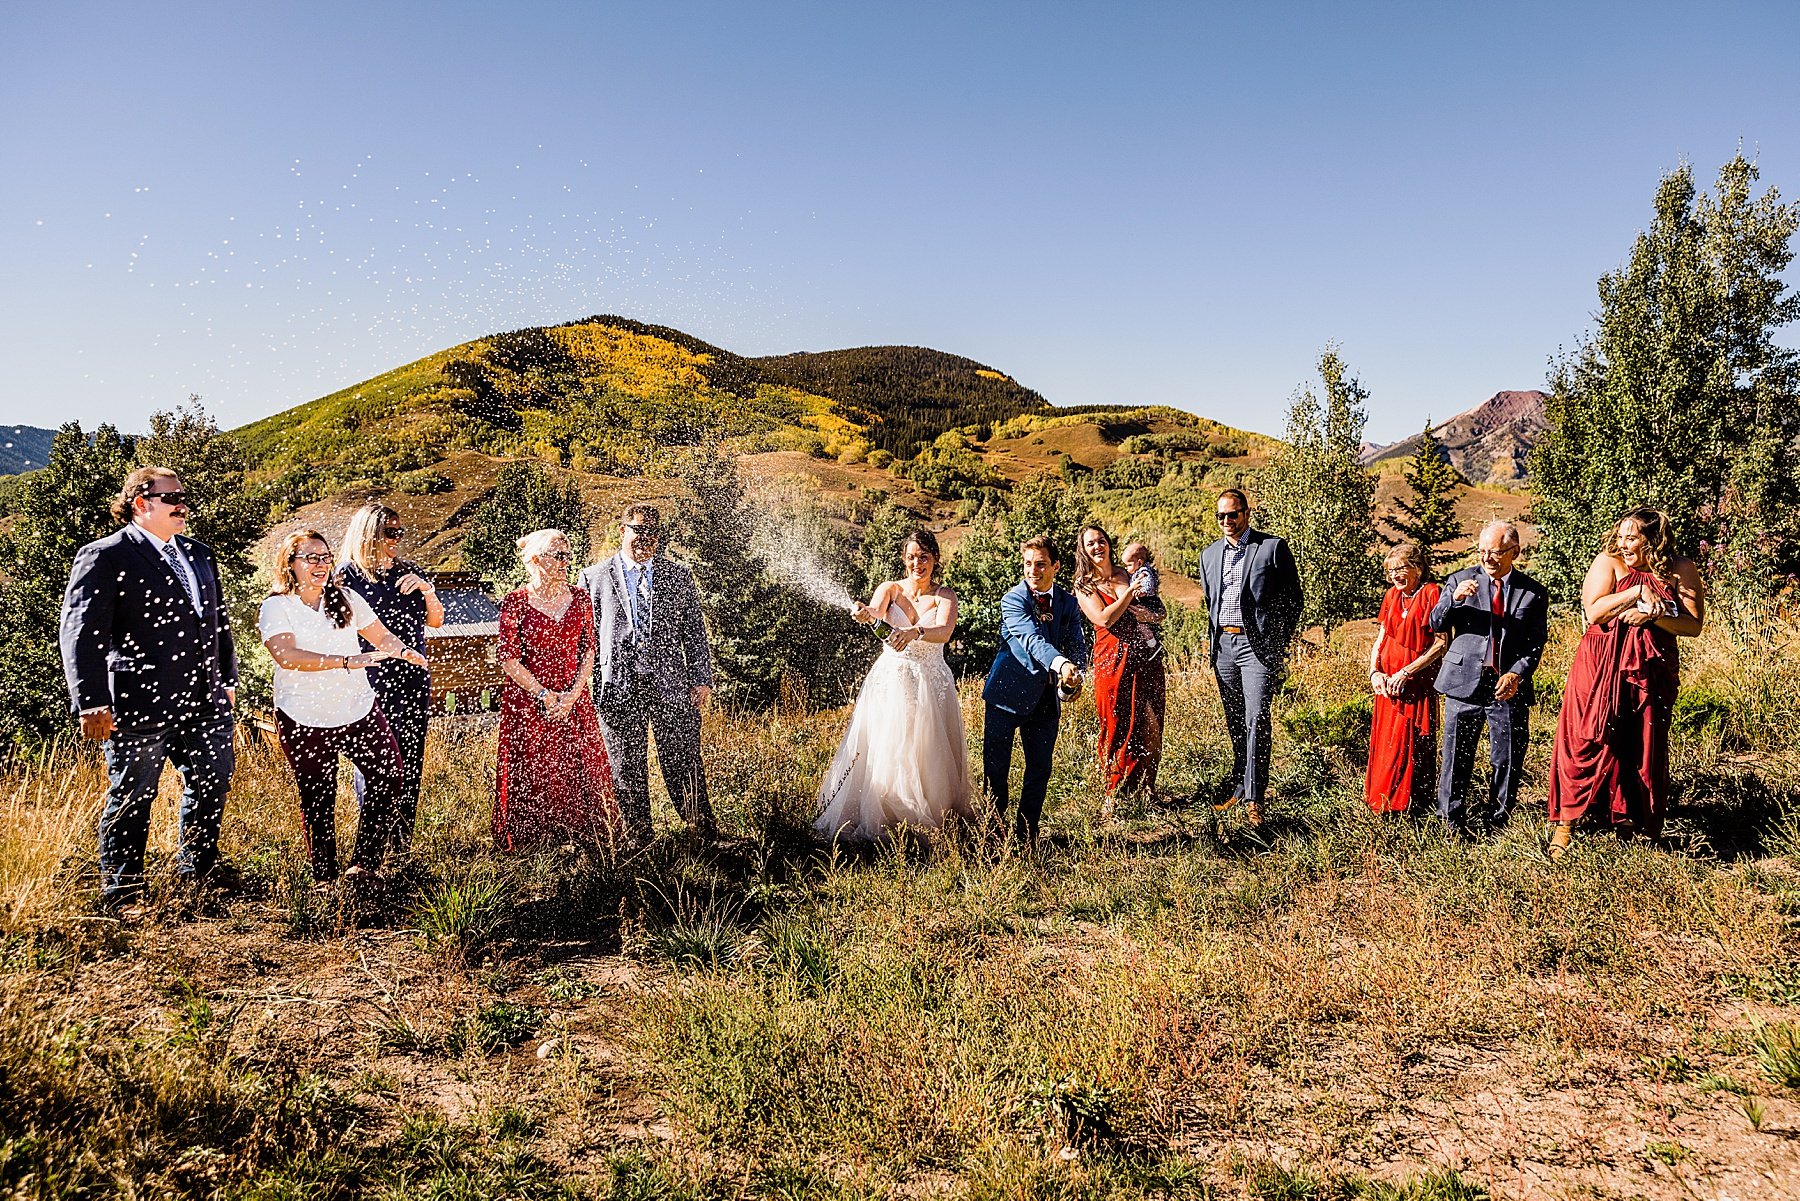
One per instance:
(901, 637)
(863, 614)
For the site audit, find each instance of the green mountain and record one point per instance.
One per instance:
(602, 394)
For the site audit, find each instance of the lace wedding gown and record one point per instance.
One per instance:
(904, 759)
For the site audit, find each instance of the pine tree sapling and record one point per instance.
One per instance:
(526, 497)
(1428, 517)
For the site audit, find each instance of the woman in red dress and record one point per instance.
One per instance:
(1130, 684)
(555, 783)
(1402, 746)
(1611, 764)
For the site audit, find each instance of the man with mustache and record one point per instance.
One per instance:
(152, 673)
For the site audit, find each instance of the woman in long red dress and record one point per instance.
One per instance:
(1130, 682)
(1402, 746)
(1611, 764)
(555, 783)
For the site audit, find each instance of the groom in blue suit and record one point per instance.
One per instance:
(1042, 645)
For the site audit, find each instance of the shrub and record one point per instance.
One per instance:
(424, 482)
(1345, 726)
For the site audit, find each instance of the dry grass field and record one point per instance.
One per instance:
(1160, 1007)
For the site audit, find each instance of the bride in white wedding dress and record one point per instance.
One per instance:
(904, 759)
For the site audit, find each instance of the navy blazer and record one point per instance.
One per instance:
(1022, 671)
(1524, 628)
(680, 658)
(132, 642)
(1271, 599)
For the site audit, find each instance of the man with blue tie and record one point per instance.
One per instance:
(652, 673)
(1043, 650)
(1498, 620)
(152, 672)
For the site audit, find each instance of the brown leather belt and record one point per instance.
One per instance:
(1231, 629)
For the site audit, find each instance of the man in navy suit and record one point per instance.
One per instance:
(1253, 604)
(1498, 620)
(1043, 645)
(147, 652)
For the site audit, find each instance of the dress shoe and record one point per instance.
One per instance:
(1253, 814)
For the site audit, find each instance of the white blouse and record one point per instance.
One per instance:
(322, 699)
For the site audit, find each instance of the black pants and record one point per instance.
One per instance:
(1036, 732)
(312, 753)
(205, 758)
(631, 709)
(408, 711)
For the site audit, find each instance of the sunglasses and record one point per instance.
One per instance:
(321, 560)
(649, 533)
(557, 556)
(168, 498)
(393, 531)
(1230, 514)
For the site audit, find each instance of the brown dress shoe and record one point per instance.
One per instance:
(1253, 813)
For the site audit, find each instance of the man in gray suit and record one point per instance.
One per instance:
(653, 671)
(1498, 621)
(1253, 605)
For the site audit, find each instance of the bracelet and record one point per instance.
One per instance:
(346, 659)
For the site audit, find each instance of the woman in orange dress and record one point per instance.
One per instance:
(1130, 682)
(1402, 746)
(554, 782)
(1611, 763)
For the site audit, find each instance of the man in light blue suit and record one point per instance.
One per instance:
(1043, 646)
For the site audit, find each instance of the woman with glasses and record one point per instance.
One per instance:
(405, 601)
(554, 781)
(1402, 774)
(324, 704)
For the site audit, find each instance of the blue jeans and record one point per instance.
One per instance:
(205, 758)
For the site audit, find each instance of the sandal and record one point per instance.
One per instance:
(1561, 833)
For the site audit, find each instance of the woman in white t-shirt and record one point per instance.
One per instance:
(324, 704)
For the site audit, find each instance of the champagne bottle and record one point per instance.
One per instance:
(880, 629)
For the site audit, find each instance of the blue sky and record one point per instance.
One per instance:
(1155, 203)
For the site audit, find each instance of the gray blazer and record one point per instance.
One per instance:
(1270, 599)
(679, 656)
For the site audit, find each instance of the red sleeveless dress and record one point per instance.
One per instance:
(1402, 750)
(1612, 737)
(1130, 692)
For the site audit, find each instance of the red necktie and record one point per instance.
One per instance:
(1043, 605)
(1494, 635)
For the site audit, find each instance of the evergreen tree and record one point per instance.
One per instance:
(1316, 494)
(768, 642)
(1681, 398)
(1429, 517)
(526, 497)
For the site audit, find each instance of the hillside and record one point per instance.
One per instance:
(23, 448)
(1490, 443)
(913, 393)
(604, 399)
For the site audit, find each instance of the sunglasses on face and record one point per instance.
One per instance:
(557, 556)
(315, 559)
(168, 498)
(647, 533)
(393, 531)
(1230, 514)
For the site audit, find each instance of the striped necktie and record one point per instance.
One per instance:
(182, 574)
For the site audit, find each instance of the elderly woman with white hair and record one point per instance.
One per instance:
(554, 783)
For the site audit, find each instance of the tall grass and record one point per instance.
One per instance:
(1095, 1018)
